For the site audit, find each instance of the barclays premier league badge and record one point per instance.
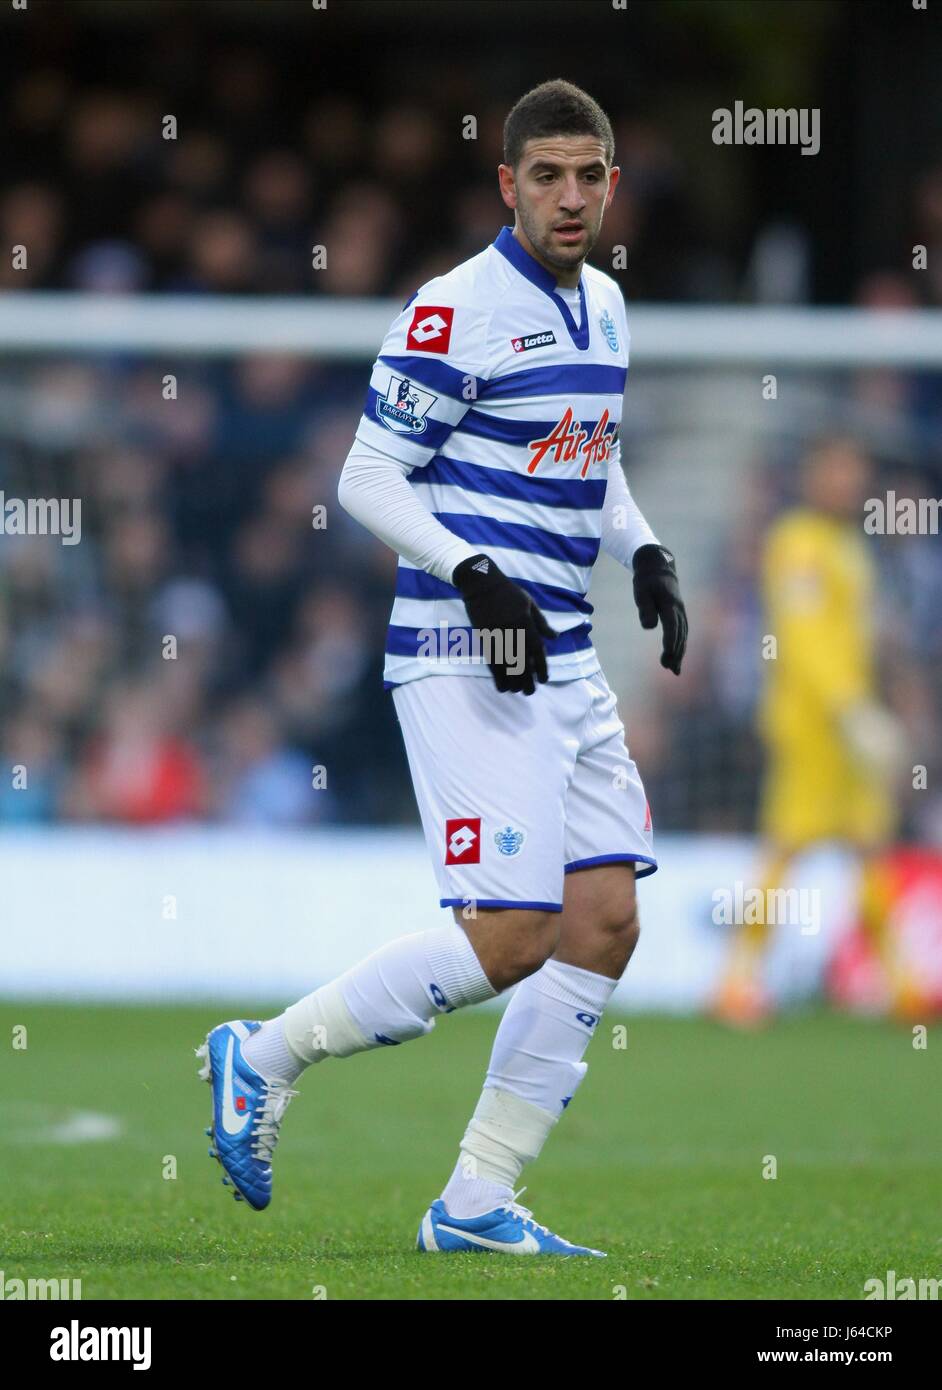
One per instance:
(405, 407)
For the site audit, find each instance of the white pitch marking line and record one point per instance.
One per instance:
(75, 1127)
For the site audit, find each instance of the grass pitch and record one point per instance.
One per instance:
(659, 1160)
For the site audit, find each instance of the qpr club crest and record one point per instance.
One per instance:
(607, 325)
(509, 841)
(405, 407)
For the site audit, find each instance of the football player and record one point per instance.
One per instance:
(497, 485)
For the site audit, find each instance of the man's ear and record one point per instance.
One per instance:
(614, 174)
(508, 185)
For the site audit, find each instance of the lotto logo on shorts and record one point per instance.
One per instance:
(463, 841)
(430, 329)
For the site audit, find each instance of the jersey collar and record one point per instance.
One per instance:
(521, 260)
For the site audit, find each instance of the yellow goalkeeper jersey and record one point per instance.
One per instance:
(817, 581)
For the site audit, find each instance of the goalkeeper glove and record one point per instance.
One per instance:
(498, 606)
(657, 595)
(875, 738)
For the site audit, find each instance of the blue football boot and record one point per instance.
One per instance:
(509, 1230)
(247, 1112)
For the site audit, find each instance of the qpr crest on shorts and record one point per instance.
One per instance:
(405, 407)
(607, 325)
(508, 840)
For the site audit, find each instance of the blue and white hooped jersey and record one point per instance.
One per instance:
(508, 415)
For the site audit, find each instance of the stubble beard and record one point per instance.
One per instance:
(560, 258)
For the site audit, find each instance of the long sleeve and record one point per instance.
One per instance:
(624, 528)
(374, 488)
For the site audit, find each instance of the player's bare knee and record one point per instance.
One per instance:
(630, 927)
(511, 943)
(622, 929)
(531, 945)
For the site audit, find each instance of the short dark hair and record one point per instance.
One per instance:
(555, 108)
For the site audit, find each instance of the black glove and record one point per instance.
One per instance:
(495, 602)
(657, 595)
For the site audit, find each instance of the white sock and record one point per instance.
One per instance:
(397, 992)
(543, 1035)
(393, 995)
(535, 1068)
(268, 1053)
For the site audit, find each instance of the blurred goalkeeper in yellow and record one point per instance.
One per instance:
(831, 750)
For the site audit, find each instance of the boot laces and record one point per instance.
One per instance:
(523, 1213)
(277, 1097)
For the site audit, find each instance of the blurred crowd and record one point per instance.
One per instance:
(209, 652)
(234, 204)
(181, 162)
(212, 648)
(213, 645)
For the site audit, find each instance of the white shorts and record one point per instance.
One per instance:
(516, 791)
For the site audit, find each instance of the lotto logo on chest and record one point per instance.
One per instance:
(529, 341)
